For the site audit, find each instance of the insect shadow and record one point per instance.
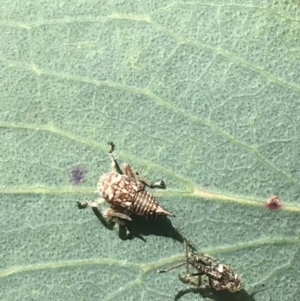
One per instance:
(141, 226)
(217, 295)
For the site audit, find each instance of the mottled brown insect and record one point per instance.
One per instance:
(125, 192)
(208, 273)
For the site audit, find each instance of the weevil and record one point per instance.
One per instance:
(208, 273)
(125, 192)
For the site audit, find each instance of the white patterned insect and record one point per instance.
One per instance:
(125, 192)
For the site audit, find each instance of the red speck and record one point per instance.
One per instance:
(273, 202)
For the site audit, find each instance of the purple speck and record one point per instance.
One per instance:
(77, 175)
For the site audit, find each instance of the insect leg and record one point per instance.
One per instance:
(112, 146)
(150, 184)
(197, 274)
(85, 204)
(195, 280)
(114, 164)
(159, 184)
(116, 216)
(186, 262)
(126, 168)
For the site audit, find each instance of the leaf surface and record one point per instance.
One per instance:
(202, 95)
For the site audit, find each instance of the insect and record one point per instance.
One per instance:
(125, 192)
(273, 202)
(216, 275)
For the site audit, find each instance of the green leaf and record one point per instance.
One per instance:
(204, 95)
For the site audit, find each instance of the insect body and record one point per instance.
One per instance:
(127, 195)
(208, 273)
(125, 192)
(220, 276)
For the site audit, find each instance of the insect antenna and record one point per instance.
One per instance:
(187, 267)
(172, 268)
(186, 262)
